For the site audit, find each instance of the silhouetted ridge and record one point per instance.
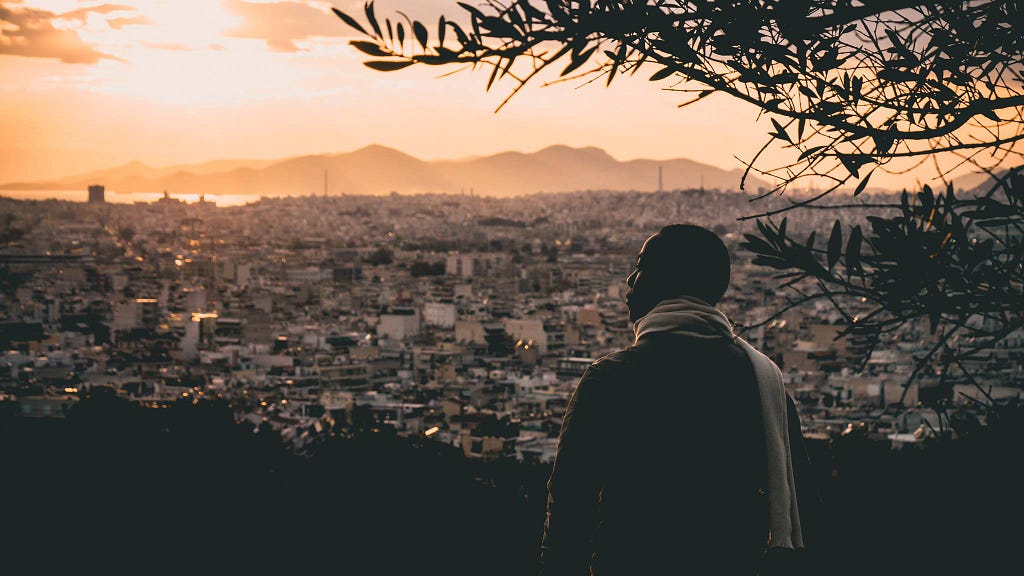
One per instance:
(378, 170)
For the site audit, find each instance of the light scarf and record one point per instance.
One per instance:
(695, 318)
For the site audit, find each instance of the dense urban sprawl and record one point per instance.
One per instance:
(458, 319)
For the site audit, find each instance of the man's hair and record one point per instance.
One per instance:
(688, 260)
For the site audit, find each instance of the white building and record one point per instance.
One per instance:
(470, 331)
(399, 324)
(440, 314)
(195, 299)
(127, 315)
(190, 341)
(459, 265)
(307, 275)
(528, 329)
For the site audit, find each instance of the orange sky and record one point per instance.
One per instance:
(92, 84)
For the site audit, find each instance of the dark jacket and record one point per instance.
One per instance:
(661, 464)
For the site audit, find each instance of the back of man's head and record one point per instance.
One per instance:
(687, 260)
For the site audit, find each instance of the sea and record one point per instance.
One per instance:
(126, 197)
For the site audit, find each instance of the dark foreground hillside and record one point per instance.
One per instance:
(119, 488)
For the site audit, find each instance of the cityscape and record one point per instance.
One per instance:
(454, 319)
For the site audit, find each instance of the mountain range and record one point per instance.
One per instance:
(380, 170)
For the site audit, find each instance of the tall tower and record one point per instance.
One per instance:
(661, 187)
(96, 194)
(325, 183)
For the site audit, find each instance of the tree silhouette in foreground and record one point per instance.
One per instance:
(849, 87)
(957, 262)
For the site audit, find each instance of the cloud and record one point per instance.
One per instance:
(118, 23)
(281, 24)
(81, 14)
(30, 32)
(170, 46)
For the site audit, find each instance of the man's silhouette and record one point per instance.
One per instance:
(677, 454)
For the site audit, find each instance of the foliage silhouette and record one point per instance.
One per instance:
(956, 261)
(848, 87)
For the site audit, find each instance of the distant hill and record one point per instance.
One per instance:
(140, 170)
(381, 170)
(979, 184)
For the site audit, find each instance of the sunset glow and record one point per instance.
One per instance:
(88, 85)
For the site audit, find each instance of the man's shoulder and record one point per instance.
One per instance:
(619, 360)
(646, 350)
(605, 372)
(656, 350)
